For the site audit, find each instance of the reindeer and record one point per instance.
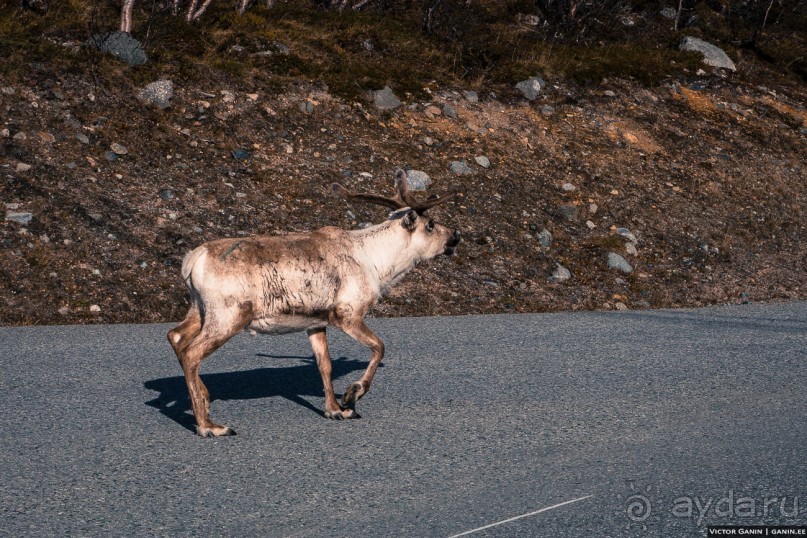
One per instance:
(304, 282)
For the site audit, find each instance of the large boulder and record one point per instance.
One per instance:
(712, 55)
(386, 99)
(158, 93)
(121, 45)
(531, 87)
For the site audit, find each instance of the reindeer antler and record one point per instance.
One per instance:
(403, 198)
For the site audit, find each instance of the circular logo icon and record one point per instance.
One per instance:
(638, 507)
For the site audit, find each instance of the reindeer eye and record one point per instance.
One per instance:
(430, 226)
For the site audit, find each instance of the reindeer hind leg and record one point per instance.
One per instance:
(214, 332)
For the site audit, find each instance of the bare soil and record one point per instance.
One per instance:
(707, 172)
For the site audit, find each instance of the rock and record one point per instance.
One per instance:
(531, 87)
(306, 107)
(22, 167)
(449, 111)
(620, 306)
(669, 13)
(592, 208)
(561, 274)
(121, 45)
(46, 137)
(22, 217)
(471, 96)
(630, 248)
(84, 139)
(240, 154)
(712, 55)
(20, 136)
(5, 133)
(432, 110)
(167, 194)
(624, 232)
(590, 225)
(118, 149)
(568, 187)
(609, 93)
(418, 180)
(111, 156)
(615, 261)
(158, 93)
(386, 99)
(482, 161)
(429, 141)
(568, 211)
(461, 168)
(276, 49)
(545, 238)
(95, 308)
(547, 110)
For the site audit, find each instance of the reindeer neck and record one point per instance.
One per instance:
(384, 253)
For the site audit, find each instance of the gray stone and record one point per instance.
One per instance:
(22, 217)
(471, 96)
(482, 161)
(167, 194)
(20, 136)
(624, 232)
(119, 149)
(240, 154)
(22, 167)
(561, 274)
(547, 110)
(712, 55)
(568, 187)
(121, 45)
(276, 49)
(461, 168)
(669, 13)
(568, 211)
(418, 180)
(545, 238)
(306, 107)
(615, 261)
(630, 248)
(158, 93)
(450, 111)
(386, 99)
(84, 139)
(531, 87)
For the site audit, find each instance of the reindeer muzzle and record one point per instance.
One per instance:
(452, 243)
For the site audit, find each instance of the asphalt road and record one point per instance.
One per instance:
(697, 414)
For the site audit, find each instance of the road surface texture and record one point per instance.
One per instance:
(652, 423)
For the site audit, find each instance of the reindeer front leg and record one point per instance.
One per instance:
(319, 343)
(359, 331)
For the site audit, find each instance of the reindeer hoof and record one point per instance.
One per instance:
(353, 393)
(341, 414)
(215, 431)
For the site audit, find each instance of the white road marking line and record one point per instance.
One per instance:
(520, 517)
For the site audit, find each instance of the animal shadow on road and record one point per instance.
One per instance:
(290, 382)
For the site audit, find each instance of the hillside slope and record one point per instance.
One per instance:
(706, 171)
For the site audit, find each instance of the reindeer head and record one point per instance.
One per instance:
(425, 235)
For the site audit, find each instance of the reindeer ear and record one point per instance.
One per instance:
(409, 220)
